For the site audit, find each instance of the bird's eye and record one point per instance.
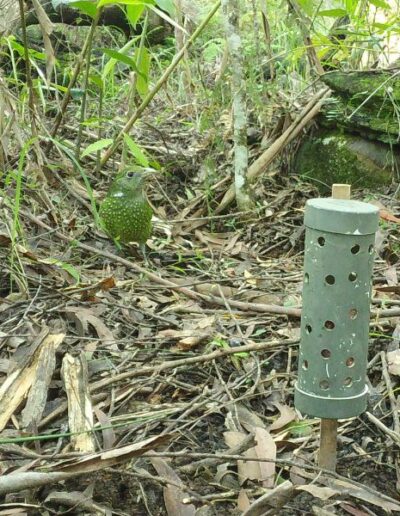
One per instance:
(130, 174)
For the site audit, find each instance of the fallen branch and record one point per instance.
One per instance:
(193, 467)
(214, 300)
(259, 166)
(348, 486)
(210, 299)
(22, 480)
(172, 364)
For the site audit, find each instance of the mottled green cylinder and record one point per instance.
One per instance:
(339, 255)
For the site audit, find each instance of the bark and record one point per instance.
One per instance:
(231, 14)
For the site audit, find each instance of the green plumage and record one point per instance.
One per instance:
(125, 212)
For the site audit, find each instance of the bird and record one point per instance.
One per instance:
(125, 212)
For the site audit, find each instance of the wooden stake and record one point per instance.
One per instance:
(340, 191)
(327, 457)
(328, 444)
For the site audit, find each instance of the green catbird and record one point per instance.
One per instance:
(125, 211)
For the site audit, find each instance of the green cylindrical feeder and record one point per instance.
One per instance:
(339, 254)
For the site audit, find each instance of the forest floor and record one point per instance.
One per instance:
(152, 355)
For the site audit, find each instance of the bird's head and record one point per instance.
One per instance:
(131, 182)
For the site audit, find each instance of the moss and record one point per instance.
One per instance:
(364, 102)
(364, 84)
(329, 158)
(380, 124)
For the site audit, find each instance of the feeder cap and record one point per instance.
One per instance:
(341, 216)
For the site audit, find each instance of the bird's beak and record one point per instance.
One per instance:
(149, 172)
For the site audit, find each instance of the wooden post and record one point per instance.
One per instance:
(327, 457)
(340, 191)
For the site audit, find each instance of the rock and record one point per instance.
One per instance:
(329, 157)
(371, 83)
(364, 102)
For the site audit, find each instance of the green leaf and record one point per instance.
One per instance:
(382, 26)
(332, 13)
(97, 80)
(66, 267)
(134, 12)
(166, 5)
(55, 86)
(136, 151)
(222, 343)
(291, 300)
(143, 58)
(96, 146)
(110, 65)
(380, 3)
(92, 122)
(351, 6)
(119, 56)
(125, 2)
(85, 7)
(301, 428)
(213, 49)
(307, 6)
(20, 49)
(189, 194)
(321, 39)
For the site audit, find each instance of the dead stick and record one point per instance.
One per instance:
(67, 96)
(240, 305)
(255, 307)
(171, 364)
(308, 113)
(161, 81)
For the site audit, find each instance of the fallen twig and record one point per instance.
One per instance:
(214, 300)
(19, 481)
(308, 113)
(172, 364)
(392, 397)
(255, 307)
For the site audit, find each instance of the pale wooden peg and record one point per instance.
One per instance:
(341, 191)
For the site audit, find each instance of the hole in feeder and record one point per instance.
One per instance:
(325, 353)
(308, 328)
(330, 279)
(306, 278)
(350, 362)
(329, 325)
(371, 248)
(348, 382)
(353, 312)
(352, 276)
(305, 365)
(321, 241)
(324, 384)
(355, 249)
